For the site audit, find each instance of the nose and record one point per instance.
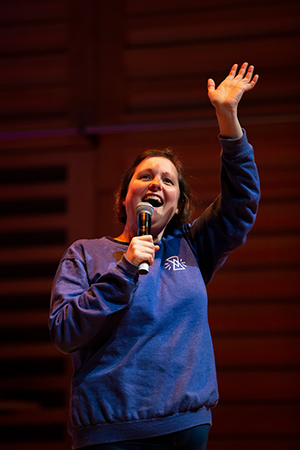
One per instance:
(155, 184)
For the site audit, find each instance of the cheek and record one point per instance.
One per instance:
(176, 197)
(130, 192)
(173, 199)
(131, 198)
(134, 189)
(178, 207)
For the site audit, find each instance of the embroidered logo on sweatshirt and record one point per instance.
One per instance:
(175, 263)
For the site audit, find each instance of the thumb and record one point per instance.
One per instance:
(211, 85)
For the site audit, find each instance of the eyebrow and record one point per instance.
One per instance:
(171, 175)
(166, 174)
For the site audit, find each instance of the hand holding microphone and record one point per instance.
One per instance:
(141, 250)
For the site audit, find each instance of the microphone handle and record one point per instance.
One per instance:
(144, 227)
(144, 268)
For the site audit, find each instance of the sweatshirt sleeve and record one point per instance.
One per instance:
(224, 225)
(78, 309)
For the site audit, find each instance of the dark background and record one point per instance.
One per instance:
(84, 87)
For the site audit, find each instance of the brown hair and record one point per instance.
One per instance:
(185, 198)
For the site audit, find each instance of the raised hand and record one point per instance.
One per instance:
(230, 91)
(226, 97)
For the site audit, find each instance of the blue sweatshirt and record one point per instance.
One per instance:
(141, 346)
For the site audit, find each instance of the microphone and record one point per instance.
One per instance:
(144, 213)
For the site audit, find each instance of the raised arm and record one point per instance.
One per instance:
(226, 97)
(226, 222)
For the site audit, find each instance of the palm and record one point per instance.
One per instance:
(231, 90)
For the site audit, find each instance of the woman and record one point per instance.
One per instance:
(144, 370)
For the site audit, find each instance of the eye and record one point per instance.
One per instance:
(169, 181)
(145, 176)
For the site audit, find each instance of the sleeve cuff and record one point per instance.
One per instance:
(236, 147)
(129, 269)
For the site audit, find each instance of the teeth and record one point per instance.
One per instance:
(153, 199)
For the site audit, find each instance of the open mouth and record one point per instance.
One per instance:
(154, 200)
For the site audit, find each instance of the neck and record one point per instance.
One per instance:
(126, 236)
(123, 238)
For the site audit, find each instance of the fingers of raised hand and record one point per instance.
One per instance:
(211, 85)
(253, 82)
(244, 76)
(242, 71)
(249, 79)
(232, 72)
(249, 73)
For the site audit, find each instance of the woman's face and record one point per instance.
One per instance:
(155, 181)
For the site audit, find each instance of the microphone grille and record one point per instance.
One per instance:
(144, 207)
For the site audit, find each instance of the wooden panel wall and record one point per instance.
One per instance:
(46, 201)
(88, 82)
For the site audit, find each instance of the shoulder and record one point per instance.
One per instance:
(82, 247)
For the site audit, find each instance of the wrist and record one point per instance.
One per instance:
(226, 111)
(229, 124)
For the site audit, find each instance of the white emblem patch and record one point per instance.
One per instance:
(175, 263)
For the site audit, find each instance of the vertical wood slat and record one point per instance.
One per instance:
(34, 65)
(27, 271)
